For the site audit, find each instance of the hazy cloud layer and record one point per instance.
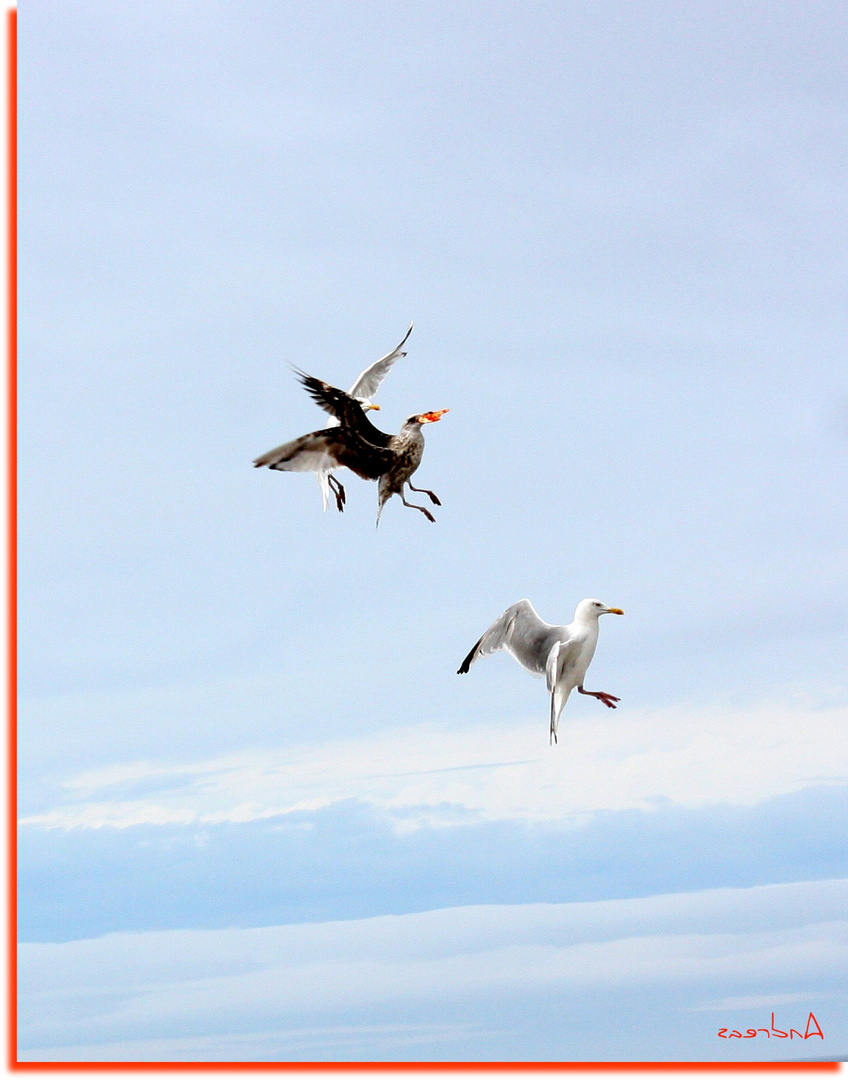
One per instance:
(428, 773)
(576, 981)
(349, 860)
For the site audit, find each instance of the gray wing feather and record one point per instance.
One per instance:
(522, 633)
(309, 453)
(368, 383)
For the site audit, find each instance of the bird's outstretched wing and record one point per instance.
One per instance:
(521, 632)
(330, 448)
(344, 408)
(368, 383)
(309, 453)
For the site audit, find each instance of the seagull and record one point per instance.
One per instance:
(561, 653)
(354, 442)
(363, 390)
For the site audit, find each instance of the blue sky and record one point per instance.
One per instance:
(620, 230)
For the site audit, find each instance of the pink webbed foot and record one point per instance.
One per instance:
(608, 699)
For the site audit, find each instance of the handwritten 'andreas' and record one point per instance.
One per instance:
(811, 1029)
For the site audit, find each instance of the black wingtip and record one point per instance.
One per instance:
(309, 381)
(467, 662)
(316, 388)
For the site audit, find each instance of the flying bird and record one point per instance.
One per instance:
(354, 442)
(561, 653)
(363, 390)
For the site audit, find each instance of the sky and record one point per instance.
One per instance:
(246, 760)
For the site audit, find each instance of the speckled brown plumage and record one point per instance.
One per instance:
(357, 445)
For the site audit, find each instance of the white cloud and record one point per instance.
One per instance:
(448, 968)
(434, 775)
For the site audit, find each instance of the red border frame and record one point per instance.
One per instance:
(433, 1066)
(11, 510)
(210, 1066)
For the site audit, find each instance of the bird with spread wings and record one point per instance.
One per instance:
(364, 388)
(355, 443)
(561, 653)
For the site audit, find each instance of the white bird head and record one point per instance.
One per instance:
(593, 609)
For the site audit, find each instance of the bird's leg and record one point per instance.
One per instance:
(337, 488)
(607, 699)
(414, 506)
(556, 709)
(424, 491)
(338, 491)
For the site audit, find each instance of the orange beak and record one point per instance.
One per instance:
(376, 408)
(432, 417)
(615, 611)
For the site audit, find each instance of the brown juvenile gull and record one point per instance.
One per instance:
(561, 653)
(357, 445)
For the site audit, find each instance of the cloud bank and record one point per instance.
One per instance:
(426, 817)
(495, 772)
(349, 861)
(653, 978)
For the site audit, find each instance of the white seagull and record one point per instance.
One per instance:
(561, 653)
(363, 390)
